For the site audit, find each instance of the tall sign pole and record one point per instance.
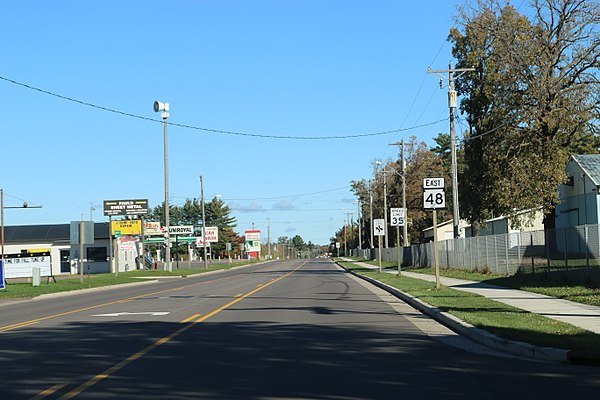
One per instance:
(454, 169)
(203, 221)
(434, 198)
(403, 176)
(379, 228)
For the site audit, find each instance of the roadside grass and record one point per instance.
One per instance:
(535, 283)
(26, 290)
(497, 318)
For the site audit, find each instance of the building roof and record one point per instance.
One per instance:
(58, 232)
(590, 164)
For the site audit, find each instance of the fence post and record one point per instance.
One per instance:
(548, 248)
(506, 251)
(587, 255)
(531, 247)
(496, 254)
(565, 243)
(487, 262)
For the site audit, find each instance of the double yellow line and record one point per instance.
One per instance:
(190, 323)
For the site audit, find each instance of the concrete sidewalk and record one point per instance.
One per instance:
(581, 315)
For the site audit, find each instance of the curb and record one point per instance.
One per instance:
(483, 337)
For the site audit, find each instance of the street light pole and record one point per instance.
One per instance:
(2, 207)
(164, 108)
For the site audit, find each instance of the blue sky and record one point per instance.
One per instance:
(274, 68)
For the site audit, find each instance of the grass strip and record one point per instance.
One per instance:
(500, 319)
(535, 283)
(27, 290)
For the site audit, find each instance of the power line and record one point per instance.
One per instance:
(218, 131)
(296, 195)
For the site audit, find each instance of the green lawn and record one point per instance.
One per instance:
(536, 283)
(500, 319)
(26, 290)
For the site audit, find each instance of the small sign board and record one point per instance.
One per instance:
(181, 230)
(433, 183)
(212, 234)
(88, 232)
(379, 227)
(152, 228)
(397, 216)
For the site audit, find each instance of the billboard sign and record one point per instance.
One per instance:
(126, 227)
(125, 207)
(153, 228)
(253, 241)
(22, 267)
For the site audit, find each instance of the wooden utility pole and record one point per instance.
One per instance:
(452, 107)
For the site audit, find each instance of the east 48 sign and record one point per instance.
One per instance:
(434, 196)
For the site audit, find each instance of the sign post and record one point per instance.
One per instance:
(379, 229)
(398, 219)
(2, 283)
(434, 198)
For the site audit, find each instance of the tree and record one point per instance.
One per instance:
(530, 104)
(420, 163)
(190, 213)
(218, 214)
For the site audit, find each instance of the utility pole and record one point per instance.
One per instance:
(348, 216)
(269, 238)
(385, 218)
(403, 176)
(370, 214)
(452, 107)
(359, 223)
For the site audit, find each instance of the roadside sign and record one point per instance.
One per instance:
(153, 228)
(181, 230)
(212, 234)
(433, 183)
(127, 226)
(337, 245)
(397, 216)
(88, 232)
(379, 227)
(434, 199)
(434, 196)
(125, 207)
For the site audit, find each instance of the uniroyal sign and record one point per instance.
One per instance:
(181, 230)
(125, 207)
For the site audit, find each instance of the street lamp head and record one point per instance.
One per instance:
(160, 106)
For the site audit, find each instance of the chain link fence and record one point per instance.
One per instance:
(574, 251)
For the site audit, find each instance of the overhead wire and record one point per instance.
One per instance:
(218, 131)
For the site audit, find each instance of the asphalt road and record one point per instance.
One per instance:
(300, 329)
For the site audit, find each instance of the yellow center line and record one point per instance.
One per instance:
(188, 319)
(126, 300)
(115, 368)
(49, 392)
